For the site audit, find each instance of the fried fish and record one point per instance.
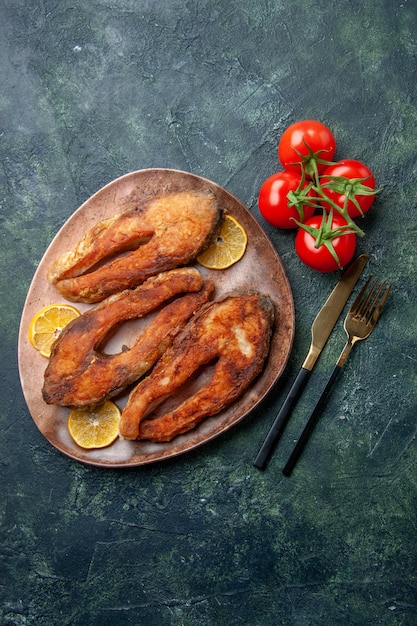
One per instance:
(232, 337)
(165, 232)
(79, 373)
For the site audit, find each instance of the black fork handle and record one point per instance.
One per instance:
(309, 427)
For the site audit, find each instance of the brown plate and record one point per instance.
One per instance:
(260, 269)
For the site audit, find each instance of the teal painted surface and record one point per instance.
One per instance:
(91, 91)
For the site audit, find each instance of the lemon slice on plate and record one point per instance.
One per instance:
(96, 427)
(228, 247)
(48, 323)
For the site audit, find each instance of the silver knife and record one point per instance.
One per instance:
(320, 332)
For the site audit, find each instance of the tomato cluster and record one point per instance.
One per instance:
(311, 181)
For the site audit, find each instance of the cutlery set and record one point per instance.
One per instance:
(359, 323)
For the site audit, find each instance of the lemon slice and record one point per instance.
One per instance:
(95, 427)
(228, 247)
(48, 323)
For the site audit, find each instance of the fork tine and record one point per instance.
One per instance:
(370, 301)
(360, 298)
(376, 312)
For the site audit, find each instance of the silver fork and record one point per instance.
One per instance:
(359, 323)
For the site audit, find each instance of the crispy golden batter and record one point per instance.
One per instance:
(80, 374)
(234, 335)
(165, 232)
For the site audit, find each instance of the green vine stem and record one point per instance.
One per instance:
(343, 211)
(350, 188)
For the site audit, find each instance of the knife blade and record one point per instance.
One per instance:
(320, 332)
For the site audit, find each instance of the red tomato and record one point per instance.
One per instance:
(321, 259)
(303, 140)
(273, 201)
(336, 190)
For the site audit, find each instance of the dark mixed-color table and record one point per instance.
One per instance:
(93, 91)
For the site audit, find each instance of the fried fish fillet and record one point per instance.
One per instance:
(234, 335)
(80, 374)
(163, 233)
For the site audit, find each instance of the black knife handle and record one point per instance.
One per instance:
(312, 421)
(281, 419)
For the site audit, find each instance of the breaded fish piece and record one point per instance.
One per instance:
(234, 335)
(165, 232)
(80, 374)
